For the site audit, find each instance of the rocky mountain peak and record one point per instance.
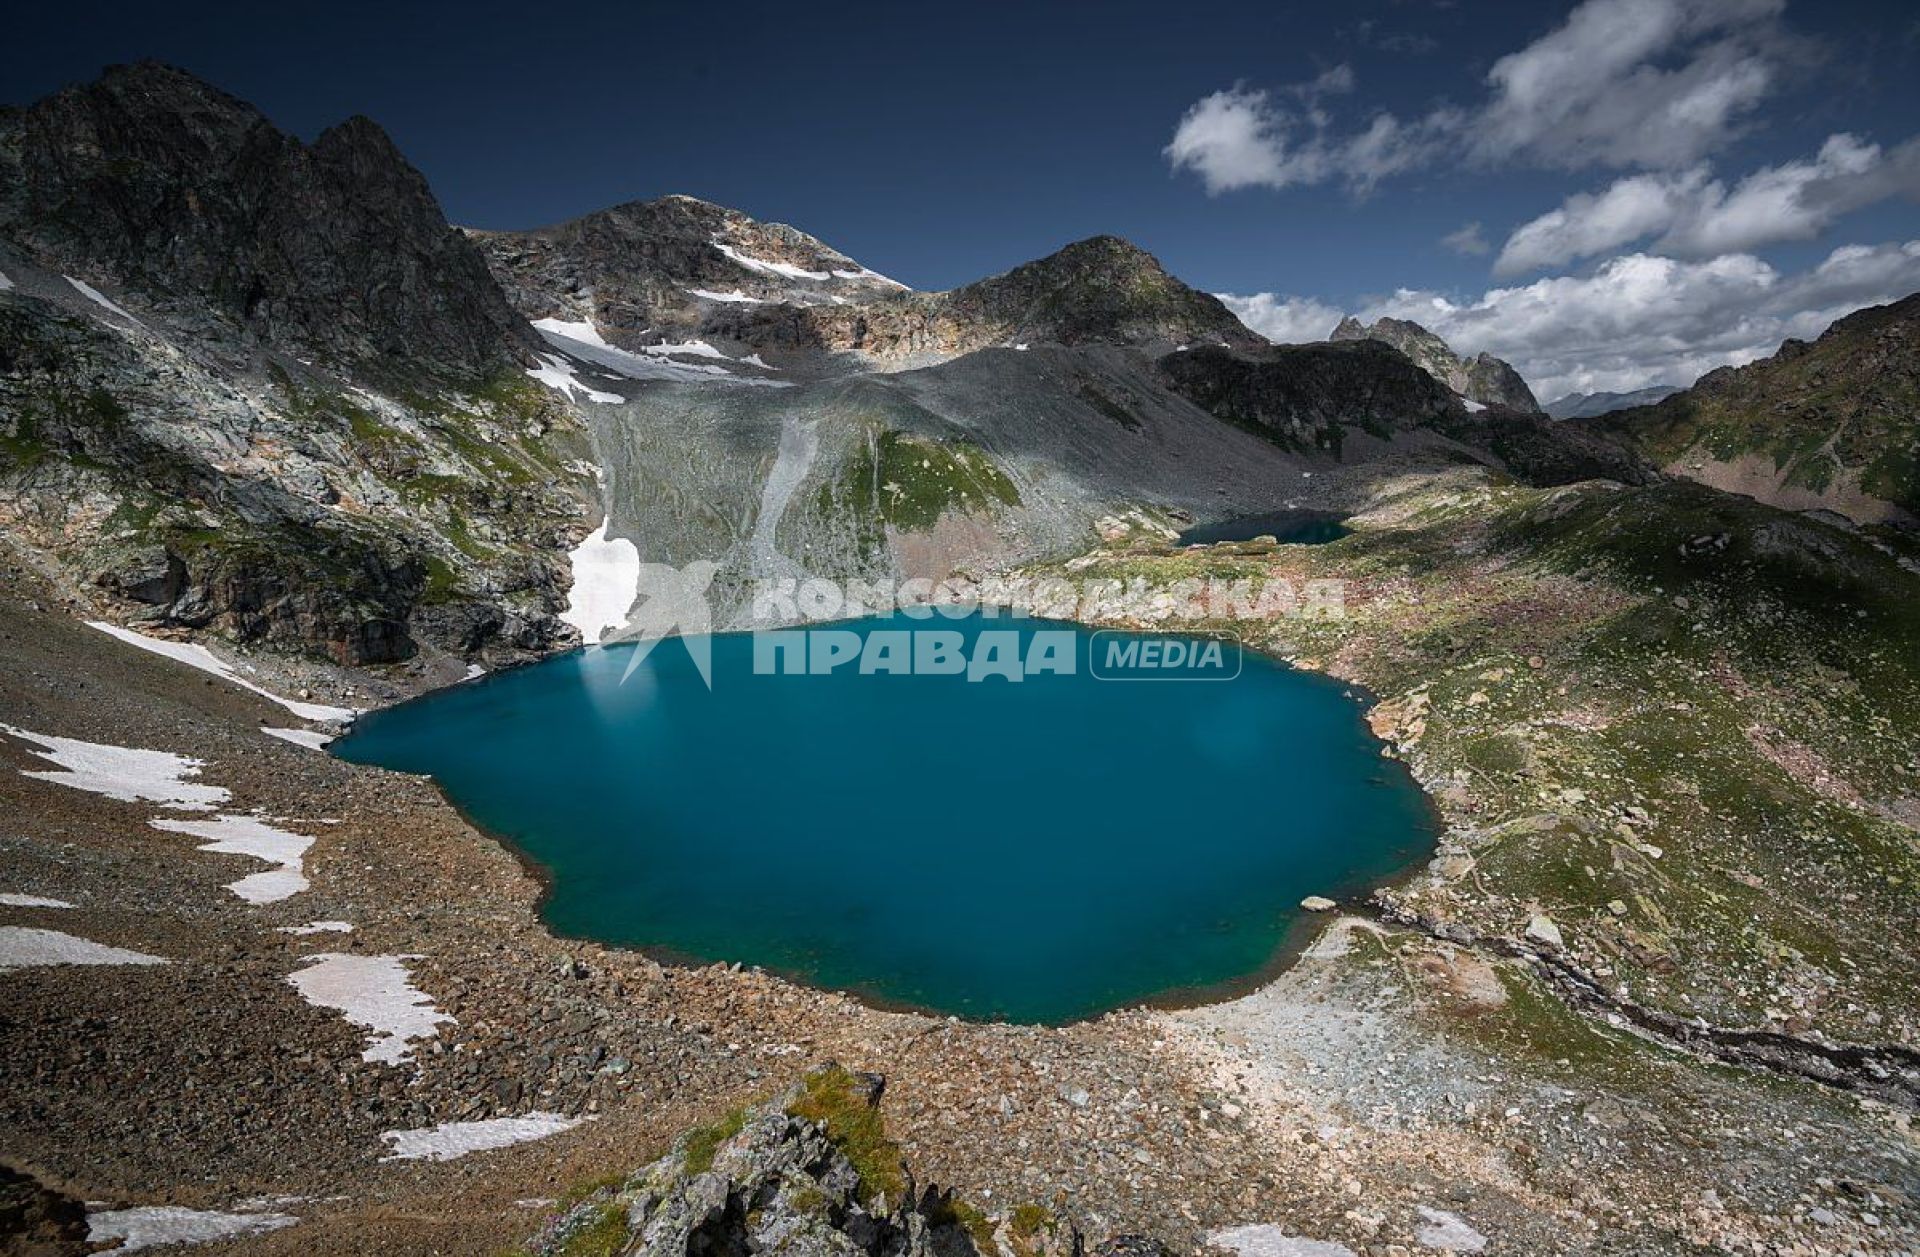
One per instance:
(152, 179)
(1100, 290)
(673, 268)
(1482, 379)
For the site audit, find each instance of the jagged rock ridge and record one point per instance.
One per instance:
(1482, 379)
(152, 179)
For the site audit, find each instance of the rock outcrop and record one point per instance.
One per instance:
(808, 1172)
(1832, 425)
(156, 181)
(1482, 379)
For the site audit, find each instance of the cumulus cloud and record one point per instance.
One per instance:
(1467, 241)
(1694, 215)
(1652, 84)
(1284, 320)
(1647, 83)
(1636, 320)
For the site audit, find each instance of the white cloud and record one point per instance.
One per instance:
(1467, 241)
(1648, 83)
(1654, 84)
(1636, 320)
(1284, 320)
(1237, 139)
(1695, 215)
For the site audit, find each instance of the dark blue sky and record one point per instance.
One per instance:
(942, 143)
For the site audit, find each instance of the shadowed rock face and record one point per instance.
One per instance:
(1481, 378)
(1301, 395)
(159, 182)
(1309, 397)
(1828, 425)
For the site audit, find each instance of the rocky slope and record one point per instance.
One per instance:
(1591, 405)
(1482, 379)
(263, 388)
(670, 270)
(655, 273)
(1315, 397)
(1831, 425)
(152, 180)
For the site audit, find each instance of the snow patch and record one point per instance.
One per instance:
(200, 657)
(870, 274)
(21, 946)
(375, 992)
(318, 927)
(559, 375)
(456, 1139)
(5, 283)
(153, 1226)
(583, 341)
(1473, 407)
(736, 297)
(8, 900)
(125, 773)
(1448, 1232)
(1267, 1240)
(606, 580)
(313, 739)
(785, 270)
(689, 349)
(755, 360)
(243, 835)
(100, 299)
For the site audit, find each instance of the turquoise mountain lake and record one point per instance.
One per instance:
(1036, 851)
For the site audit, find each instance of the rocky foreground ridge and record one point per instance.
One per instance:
(810, 1171)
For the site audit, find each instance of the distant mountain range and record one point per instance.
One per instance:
(262, 388)
(1587, 405)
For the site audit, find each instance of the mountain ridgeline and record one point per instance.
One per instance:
(1829, 425)
(262, 389)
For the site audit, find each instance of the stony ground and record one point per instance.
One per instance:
(1401, 1089)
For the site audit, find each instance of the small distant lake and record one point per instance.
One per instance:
(1037, 851)
(1300, 528)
